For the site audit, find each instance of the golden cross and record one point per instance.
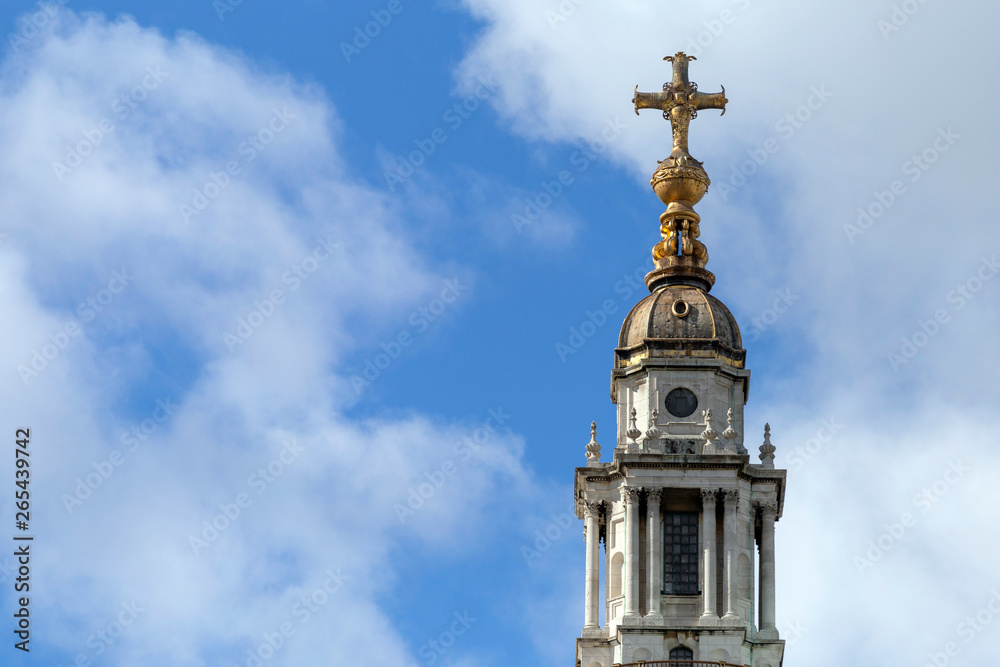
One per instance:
(680, 101)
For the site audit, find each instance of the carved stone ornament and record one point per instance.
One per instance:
(730, 433)
(767, 449)
(709, 434)
(630, 494)
(767, 508)
(653, 433)
(593, 448)
(633, 433)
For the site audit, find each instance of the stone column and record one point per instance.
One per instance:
(709, 615)
(768, 514)
(630, 496)
(654, 566)
(591, 512)
(731, 499)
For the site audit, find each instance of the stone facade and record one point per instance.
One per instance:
(664, 466)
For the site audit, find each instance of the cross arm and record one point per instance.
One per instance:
(649, 100)
(663, 100)
(710, 100)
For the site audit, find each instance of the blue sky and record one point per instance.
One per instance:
(237, 294)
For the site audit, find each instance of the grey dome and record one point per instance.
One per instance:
(680, 321)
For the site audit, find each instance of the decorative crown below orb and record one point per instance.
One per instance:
(680, 181)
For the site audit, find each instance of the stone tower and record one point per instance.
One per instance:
(680, 506)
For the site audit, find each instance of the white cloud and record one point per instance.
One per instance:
(288, 218)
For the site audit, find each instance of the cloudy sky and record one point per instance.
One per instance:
(290, 293)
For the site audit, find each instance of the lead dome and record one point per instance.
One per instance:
(679, 321)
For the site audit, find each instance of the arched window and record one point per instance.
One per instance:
(681, 653)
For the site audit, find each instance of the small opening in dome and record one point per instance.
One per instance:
(680, 308)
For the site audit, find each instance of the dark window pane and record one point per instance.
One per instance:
(681, 653)
(681, 402)
(680, 560)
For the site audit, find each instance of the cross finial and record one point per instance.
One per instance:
(680, 180)
(680, 101)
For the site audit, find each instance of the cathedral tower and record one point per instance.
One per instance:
(680, 506)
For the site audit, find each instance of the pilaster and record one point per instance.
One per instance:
(630, 496)
(709, 615)
(654, 571)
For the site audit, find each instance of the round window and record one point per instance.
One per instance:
(681, 402)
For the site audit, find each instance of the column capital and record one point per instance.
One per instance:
(630, 494)
(708, 496)
(768, 509)
(731, 497)
(591, 508)
(653, 495)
